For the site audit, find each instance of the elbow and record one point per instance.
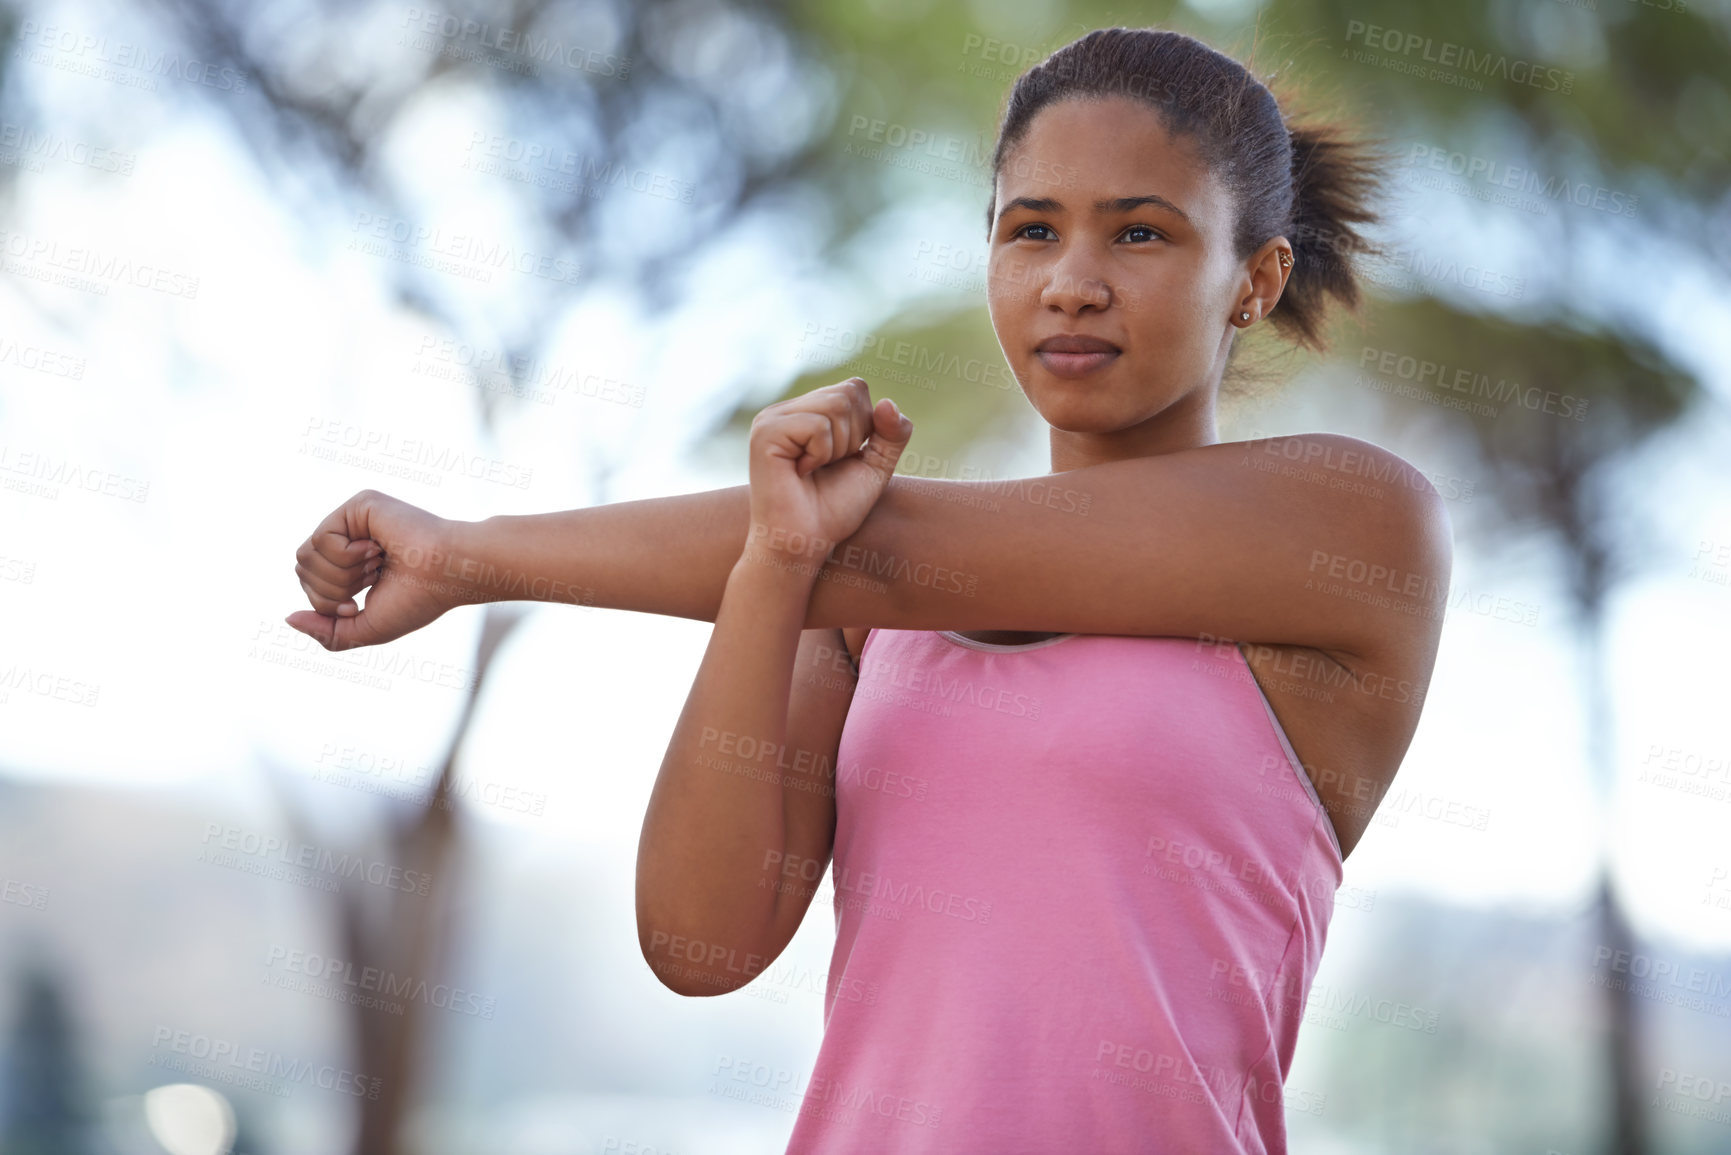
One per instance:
(668, 957)
(693, 948)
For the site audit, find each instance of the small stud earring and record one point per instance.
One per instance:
(1244, 316)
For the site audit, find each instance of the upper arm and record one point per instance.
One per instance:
(817, 706)
(1317, 540)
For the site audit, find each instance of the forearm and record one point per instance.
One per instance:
(708, 860)
(664, 555)
(930, 554)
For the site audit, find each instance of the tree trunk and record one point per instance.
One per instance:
(1628, 1123)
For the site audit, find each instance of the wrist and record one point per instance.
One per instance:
(459, 562)
(759, 563)
(773, 541)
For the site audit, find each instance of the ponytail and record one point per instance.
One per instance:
(1334, 179)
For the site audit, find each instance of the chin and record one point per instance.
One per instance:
(1081, 415)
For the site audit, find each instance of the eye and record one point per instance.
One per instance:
(1024, 230)
(1150, 234)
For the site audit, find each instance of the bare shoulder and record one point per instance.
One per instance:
(1388, 503)
(1412, 523)
(1349, 466)
(1366, 540)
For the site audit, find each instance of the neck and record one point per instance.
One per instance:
(1185, 424)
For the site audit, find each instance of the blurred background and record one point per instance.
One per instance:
(258, 256)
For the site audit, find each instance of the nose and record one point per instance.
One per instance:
(1072, 284)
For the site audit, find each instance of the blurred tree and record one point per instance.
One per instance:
(403, 934)
(44, 1094)
(721, 103)
(246, 1137)
(1564, 478)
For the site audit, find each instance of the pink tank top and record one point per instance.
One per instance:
(1081, 888)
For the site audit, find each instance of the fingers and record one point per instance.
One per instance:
(339, 560)
(320, 628)
(847, 407)
(336, 633)
(890, 434)
(336, 559)
(339, 583)
(819, 445)
(328, 632)
(344, 539)
(332, 569)
(830, 423)
(340, 601)
(799, 436)
(326, 603)
(889, 422)
(330, 587)
(857, 401)
(347, 633)
(333, 565)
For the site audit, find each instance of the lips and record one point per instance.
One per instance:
(1075, 344)
(1074, 355)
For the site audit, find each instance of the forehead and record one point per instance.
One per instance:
(1079, 150)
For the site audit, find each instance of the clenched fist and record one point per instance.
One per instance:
(819, 462)
(372, 540)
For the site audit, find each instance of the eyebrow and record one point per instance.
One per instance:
(1109, 205)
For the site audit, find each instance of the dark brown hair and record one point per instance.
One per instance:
(1312, 184)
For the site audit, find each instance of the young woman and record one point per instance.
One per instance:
(1088, 750)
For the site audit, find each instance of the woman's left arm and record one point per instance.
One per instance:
(1316, 540)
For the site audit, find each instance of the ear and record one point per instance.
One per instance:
(1265, 275)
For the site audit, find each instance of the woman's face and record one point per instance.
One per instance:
(1108, 229)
